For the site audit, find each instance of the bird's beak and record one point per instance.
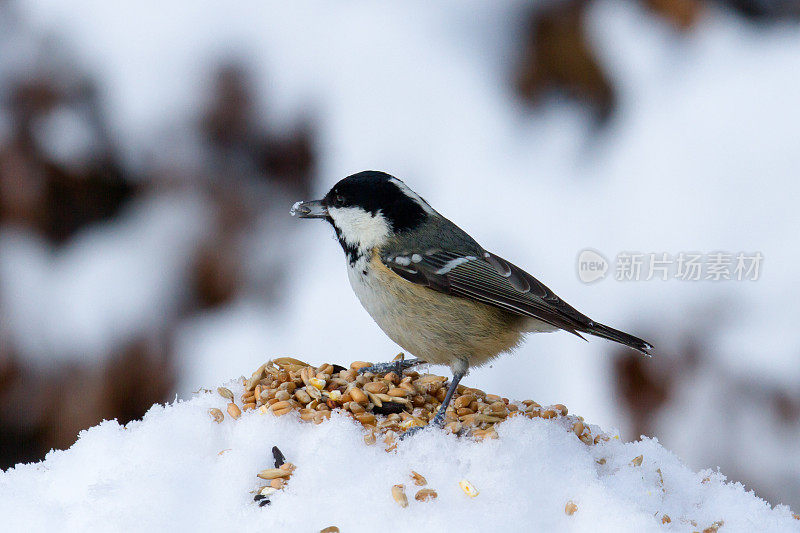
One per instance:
(312, 209)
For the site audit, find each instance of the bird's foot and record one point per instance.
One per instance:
(438, 420)
(436, 423)
(393, 366)
(413, 431)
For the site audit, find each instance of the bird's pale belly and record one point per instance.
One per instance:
(433, 326)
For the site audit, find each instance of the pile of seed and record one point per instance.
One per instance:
(385, 404)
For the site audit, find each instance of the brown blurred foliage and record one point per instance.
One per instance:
(683, 14)
(46, 408)
(557, 56)
(56, 198)
(644, 385)
(56, 194)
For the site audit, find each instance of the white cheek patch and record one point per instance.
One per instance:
(359, 228)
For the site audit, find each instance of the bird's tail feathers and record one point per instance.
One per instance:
(601, 330)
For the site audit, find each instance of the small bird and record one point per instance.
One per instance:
(431, 287)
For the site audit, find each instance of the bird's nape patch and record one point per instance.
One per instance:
(405, 189)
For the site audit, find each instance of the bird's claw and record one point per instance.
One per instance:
(413, 431)
(393, 366)
(437, 423)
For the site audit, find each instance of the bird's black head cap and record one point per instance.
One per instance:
(375, 191)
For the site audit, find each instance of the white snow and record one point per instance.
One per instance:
(295, 206)
(178, 470)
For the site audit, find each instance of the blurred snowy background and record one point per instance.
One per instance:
(149, 152)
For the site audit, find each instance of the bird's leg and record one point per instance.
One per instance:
(438, 420)
(393, 366)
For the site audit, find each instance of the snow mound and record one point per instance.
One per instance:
(179, 470)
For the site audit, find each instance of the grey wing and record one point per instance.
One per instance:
(490, 279)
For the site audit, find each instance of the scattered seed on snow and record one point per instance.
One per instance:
(468, 488)
(399, 495)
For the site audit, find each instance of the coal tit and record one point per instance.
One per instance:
(431, 288)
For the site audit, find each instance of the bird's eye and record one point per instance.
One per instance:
(338, 200)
